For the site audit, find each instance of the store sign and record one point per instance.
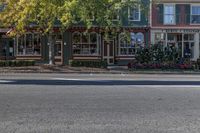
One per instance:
(181, 30)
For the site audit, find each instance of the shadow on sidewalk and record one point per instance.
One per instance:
(97, 82)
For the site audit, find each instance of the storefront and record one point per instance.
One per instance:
(185, 40)
(118, 49)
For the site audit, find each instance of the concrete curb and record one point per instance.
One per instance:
(84, 70)
(105, 72)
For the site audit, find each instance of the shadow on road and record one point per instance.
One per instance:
(98, 82)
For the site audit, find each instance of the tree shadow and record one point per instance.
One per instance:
(98, 82)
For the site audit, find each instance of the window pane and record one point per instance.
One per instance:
(169, 14)
(29, 44)
(140, 38)
(169, 19)
(134, 13)
(87, 45)
(195, 19)
(93, 37)
(169, 9)
(77, 38)
(126, 46)
(85, 38)
(196, 10)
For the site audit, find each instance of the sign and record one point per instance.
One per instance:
(181, 30)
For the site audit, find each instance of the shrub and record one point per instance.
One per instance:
(157, 54)
(85, 63)
(17, 63)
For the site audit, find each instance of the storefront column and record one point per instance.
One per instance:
(152, 37)
(196, 46)
(166, 39)
(182, 47)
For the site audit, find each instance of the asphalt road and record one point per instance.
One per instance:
(88, 103)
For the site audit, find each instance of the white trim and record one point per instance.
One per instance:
(108, 57)
(139, 19)
(32, 43)
(135, 47)
(150, 13)
(193, 5)
(89, 43)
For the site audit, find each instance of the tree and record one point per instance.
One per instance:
(42, 14)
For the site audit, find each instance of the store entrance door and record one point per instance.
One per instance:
(183, 42)
(108, 52)
(7, 49)
(58, 52)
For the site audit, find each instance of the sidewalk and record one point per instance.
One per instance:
(68, 69)
(56, 69)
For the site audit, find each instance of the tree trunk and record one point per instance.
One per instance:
(51, 49)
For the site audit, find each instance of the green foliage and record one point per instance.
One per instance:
(16, 63)
(157, 54)
(159, 57)
(43, 14)
(84, 63)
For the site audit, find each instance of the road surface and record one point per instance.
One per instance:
(89, 103)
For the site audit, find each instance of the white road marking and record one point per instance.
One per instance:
(165, 86)
(67, 79)
(70, 79)
(5, 81)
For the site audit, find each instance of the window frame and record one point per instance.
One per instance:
(23, 40)
(117, 14)
(86, 43)
(174, 13)
(136, 46)
(129, 14)
(192, 5)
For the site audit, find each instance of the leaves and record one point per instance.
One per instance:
(45, 14)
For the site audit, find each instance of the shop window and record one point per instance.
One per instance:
(85, 44)
(195, 14)
(140, 39)
(134, 14)
(29, 44)
(169, 14)
(115, 16)
(159, 38)
(2, 7)
(128, 47)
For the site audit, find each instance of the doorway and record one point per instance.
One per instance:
(58, 52)
(7, 49)
(108, 51)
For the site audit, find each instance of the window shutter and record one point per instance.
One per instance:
(178, 14)
(160, 13)
(187, 14)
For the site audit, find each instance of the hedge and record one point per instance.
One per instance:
(16, 63)
(83, 63)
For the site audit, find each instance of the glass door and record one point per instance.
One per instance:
(108, 53)
(58, 52)
(188, 46)
(6, 49)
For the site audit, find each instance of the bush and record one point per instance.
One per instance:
(83, 63)
(157, 54)
(17, 63)
(163, 66)
(159, 57)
